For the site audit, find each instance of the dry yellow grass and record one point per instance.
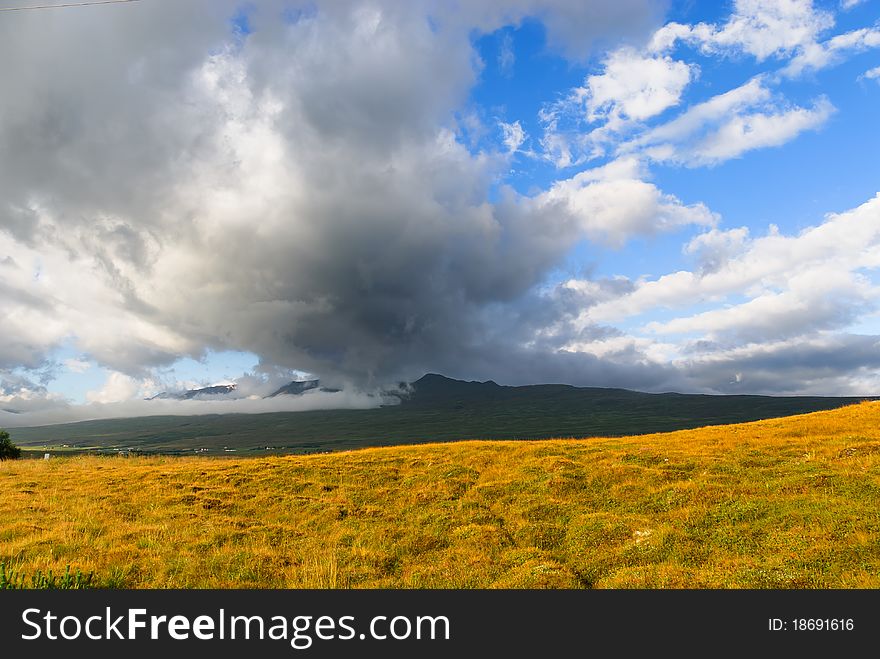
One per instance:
(791, 502)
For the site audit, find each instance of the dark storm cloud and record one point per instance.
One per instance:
(298, 193)
(842, 364)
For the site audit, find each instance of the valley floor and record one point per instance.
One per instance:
(784, 503)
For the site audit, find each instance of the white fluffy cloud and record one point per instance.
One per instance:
(746, 132)
(117, 388)
(634, 86)
(772, 28)
(793, 284)
(614, 202)
(819, 299)
(761, 28)
(726, 126)
(712, 112)
(608, 113)
(817, 56)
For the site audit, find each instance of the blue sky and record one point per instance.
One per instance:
(765, 187)
(608, 195)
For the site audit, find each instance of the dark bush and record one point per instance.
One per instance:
(8, 450)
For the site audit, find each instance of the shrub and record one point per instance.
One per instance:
(8, 450)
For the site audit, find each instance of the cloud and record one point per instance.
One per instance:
(770, 314)
(633, 86)
(824, 364)
(771, 28)
(506, 54)
(77, 365)
(298, 192)
(728, 125)
(715, 248)
(817, 300)
(761, 28)
(609, 111)
(49, 411)
(574, 28)
(118, 387)
(513, 135)
(758, 130)
(612, 203)
(817, 56)
(797, 285)
(872, 74)
(711, 112)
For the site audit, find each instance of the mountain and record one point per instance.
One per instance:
(433, 389)
(219, 389)
(433, 408)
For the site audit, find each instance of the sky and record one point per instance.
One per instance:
(679, 196)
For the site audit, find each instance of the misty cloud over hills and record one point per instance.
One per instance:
(227, 391)
(221, 390)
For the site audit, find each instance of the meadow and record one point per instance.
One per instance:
(784, 503)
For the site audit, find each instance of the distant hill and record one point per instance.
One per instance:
(435, 408)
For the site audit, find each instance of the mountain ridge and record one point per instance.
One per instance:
(433, 408)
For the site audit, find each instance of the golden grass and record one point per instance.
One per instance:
(792, 502)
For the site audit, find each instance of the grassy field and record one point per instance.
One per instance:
(783, 503)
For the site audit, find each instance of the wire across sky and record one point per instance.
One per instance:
(68, 4)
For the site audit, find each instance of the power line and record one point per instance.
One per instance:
(69, 4)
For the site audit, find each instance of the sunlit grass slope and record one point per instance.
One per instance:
(791, 502)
